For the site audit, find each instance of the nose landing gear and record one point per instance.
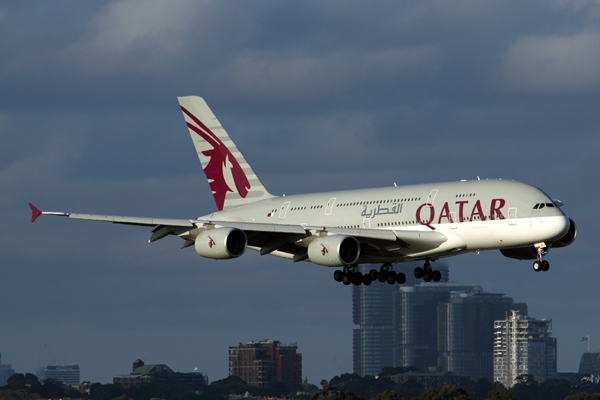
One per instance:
(541, 264)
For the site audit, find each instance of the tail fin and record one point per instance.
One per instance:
(231, 179)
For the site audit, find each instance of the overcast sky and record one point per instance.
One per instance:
(318, 96)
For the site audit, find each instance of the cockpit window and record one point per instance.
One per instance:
(549, 204)
(536, 206)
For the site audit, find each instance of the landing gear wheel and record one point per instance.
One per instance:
(545, 265)
(538, 266)
(436, 276)
(367, 279)
(357, 279)
(382, 277)
(391, 278)
(401, 278)
(374, 274)
(419, 272)
(427, 276)
(338, 275)
(347, 279)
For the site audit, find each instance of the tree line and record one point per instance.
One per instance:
(343, 387)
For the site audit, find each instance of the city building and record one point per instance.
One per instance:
(6, 372)
(523, 346)
(160, 373)
(373, 310)
(590, 364)
(67, 374)
(260, 363)
(466, 330)
(442, 325)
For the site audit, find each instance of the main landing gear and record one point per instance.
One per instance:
(541, 264)
(350, 275)
(427, 273)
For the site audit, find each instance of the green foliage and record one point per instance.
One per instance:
(446, 393)
(19, 394)
(309, 387)
(367, 387)
(482, 387)
(331, 393)
(389, 395)
(584, 396)
(410, 388)
(389, 371)
(500, 394)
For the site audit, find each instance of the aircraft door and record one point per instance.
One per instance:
(512, 216)
(366, 223)
(284, 209)
(453, 224)
(431, 197)
(329, 207)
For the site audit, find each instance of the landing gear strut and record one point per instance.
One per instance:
(427, 273)
(541, 264)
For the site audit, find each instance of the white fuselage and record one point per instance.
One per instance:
(473, 215)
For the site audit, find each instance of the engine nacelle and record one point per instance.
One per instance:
(334, 251)
(221, 243)
(530, 253)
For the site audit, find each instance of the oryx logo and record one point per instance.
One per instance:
(211, 242)
(324, 250)
(222, 171)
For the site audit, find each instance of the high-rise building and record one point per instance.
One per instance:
(466, 331)
(590, 363)
(523, 346)
(262, 362)
(443, 325)
(67, 374)
(374, 310)
(6, 372)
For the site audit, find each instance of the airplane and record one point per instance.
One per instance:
(343, 229)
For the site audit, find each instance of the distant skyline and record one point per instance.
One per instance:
(318, 96)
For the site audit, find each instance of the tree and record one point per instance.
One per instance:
(448, 392)
(584, 396)
(389, 371)
(309, 387)
(500, 394)
(110, 391)
(389, 395)
(410, 388)
(331, 393)
(367, 387)
(555, 389)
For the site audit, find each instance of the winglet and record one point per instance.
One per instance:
(34, 213)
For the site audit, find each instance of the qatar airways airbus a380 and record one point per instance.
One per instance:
(346, 228)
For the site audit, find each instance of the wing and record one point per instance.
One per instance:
(289, 241)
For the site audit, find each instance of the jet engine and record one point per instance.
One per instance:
(530, 253)
(334, 251)
(221, 243)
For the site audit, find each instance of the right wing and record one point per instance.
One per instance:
(278, 239)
